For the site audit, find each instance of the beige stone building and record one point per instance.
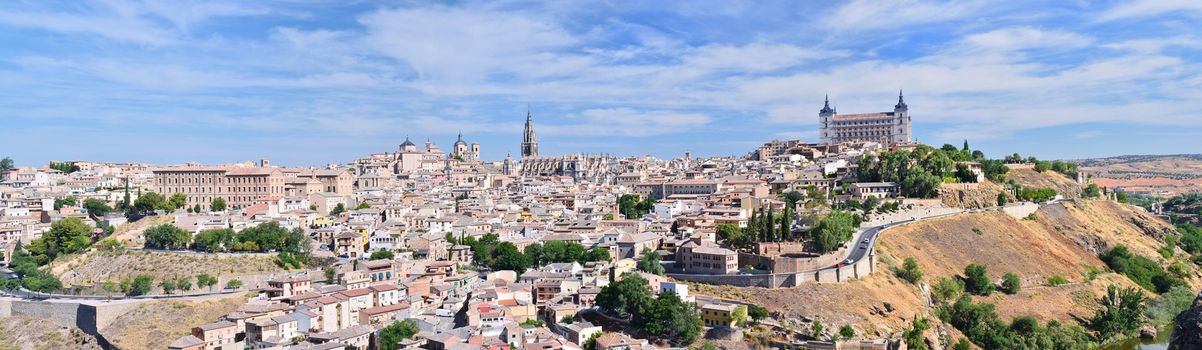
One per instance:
(242, 187)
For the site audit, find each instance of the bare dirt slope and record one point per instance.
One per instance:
(984, 196)
(1029, 178)
(836, 304)
(154, 325)
(1062, 240)
(103, 266)
(31, 333)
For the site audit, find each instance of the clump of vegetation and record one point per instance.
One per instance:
(976, 280)
(632, 206)
(1056, 280)
(910, 272)
(1145, 272)
(649, 262)
(1037, 195)
(946, 290)
(833, 230)
(665, 317)
(1011, 283)
(981, 324)
(1121, 313)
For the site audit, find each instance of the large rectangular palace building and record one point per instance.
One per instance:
(887, 128)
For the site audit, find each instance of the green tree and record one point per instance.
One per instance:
(151, 201)
(217, 204)
(976, 280)
(507, 257)
(671, 319)
(66, 236)
(167, 236)
(331, 274)
(1121, 312)
(913, 336)
(910, 272)
(739, 315)
(846, 332)
(381, 254)
(1092, 191)
(1011, 283)
(757, 312)
(392, 335)
(168, 285)
(649, 262)
(362, 205)
(140, 285)
(96, 207)
(625, 297)
(920, 183)
(204, 280)
(596, 254)
(214, 240)
(184, 283)
(1001, 199)
(6, 165)
(946, 290)
(68, 201)
(233, 284)
(338, 210)
(833, 230)
(816, 329)
(177, 200)
(534, 254)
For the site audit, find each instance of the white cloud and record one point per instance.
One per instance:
(462, 44)
(1147, 8)
(627, 122)
(1020, 38)
(864, 15)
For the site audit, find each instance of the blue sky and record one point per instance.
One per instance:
(313, 82)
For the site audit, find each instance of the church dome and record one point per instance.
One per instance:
(407, 143)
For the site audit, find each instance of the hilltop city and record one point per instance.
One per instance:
(795, 243)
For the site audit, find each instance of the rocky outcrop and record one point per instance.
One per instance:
(1187, 327)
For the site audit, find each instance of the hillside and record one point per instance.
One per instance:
(984, 196)
(1029, 178)
(835, 304)
(100, 266)
(154, 325)
(1062, 240)
(31, 333)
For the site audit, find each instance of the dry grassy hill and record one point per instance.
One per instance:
(1062, 240)
(835, 304)
(31, 333)
(1029, 178)
(154, 325)
(101, 266)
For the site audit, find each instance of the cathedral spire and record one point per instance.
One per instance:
(529, 139)
(901, 101)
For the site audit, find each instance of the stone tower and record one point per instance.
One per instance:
(901, 113)
(824, 121)
(529, 140)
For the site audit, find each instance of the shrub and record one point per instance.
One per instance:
(910, 272)
(946, 290)
(846, 332)
(1143, 271)
(1011, 283)
(977, 280)
(1056, 280)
